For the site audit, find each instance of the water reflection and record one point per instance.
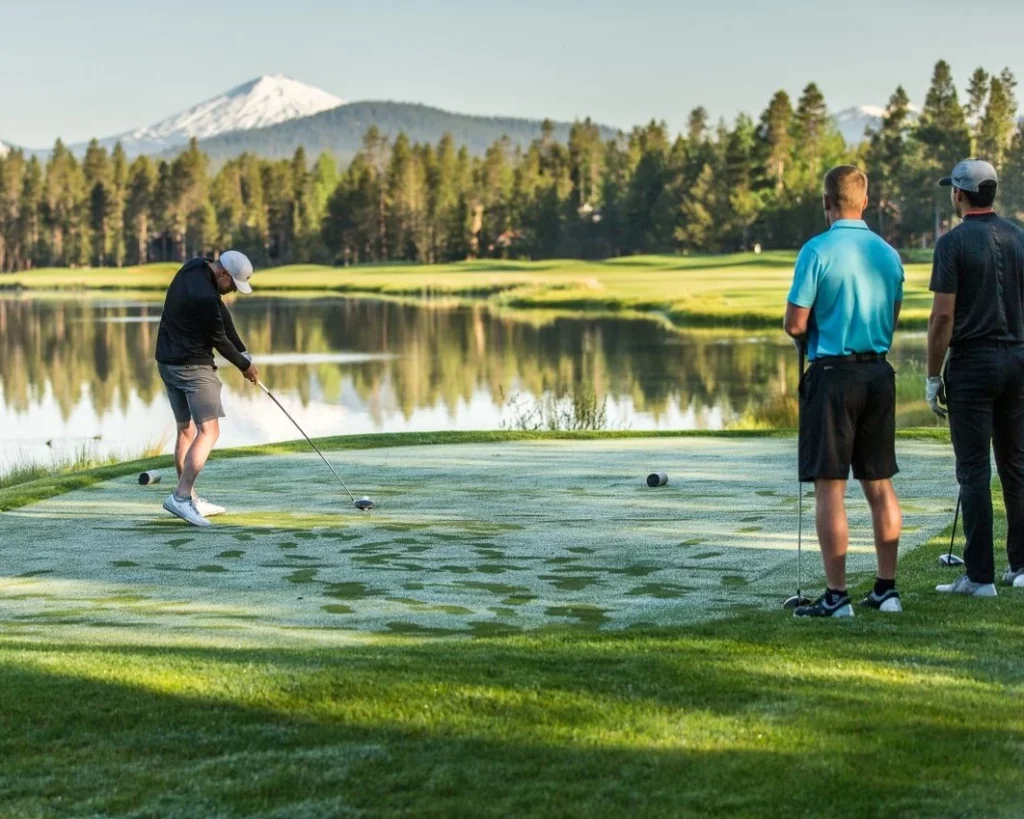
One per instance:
(72, 367)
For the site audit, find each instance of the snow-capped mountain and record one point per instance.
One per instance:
(853, 123)
(265, 101)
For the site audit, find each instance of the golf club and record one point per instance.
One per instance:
(798, 599)
(364, 504)
(951, 559)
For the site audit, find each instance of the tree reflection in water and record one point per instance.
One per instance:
(61, 350)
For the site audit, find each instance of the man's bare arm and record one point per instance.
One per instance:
(797, 319)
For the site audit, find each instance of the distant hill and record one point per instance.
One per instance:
(340, 131)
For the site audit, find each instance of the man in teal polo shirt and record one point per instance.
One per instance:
(843, 307)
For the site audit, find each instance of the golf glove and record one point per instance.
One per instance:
(935, 394)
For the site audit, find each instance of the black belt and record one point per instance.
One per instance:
(859, 358)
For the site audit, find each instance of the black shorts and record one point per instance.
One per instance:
(848, 419)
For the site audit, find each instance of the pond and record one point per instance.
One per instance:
(77, 373)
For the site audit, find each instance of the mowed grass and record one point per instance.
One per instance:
(737, 289)
(920, 715)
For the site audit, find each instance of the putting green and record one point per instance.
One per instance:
(476, 539)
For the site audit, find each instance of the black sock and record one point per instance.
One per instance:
(834, 594)
(882, 586)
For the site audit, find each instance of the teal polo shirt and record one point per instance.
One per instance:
(851, 279)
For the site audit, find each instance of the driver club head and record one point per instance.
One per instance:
(364, 504)
(796, 600)
(950, 559)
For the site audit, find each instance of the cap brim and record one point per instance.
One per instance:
(947, 182)
(240, 286)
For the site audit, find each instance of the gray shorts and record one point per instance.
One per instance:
(193, 390)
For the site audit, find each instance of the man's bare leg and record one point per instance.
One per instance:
(186, 435)
(887, 521)
(833, 530)
(196, 457)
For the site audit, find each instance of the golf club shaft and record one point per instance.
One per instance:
(263, 387)
(799, 486)
(799, 537)
(956, 519)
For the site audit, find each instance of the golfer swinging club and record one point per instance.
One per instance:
(844, 305)
(194, 323)
(978, 313)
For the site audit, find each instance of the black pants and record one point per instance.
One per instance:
(985, 393)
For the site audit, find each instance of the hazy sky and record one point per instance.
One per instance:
(77, 69)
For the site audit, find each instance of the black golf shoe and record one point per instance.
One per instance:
(888, 602)
(823, 607)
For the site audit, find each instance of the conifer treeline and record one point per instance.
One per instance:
(719, 188)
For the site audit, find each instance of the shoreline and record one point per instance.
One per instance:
(24, 494)
(740, 291)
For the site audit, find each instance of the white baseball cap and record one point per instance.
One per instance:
(239, 268)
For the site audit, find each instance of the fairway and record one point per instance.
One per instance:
(471, 539)
(708, 290)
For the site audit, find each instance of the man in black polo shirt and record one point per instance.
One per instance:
(194, 323)
(978, 315)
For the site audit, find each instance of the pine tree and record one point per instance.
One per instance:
(998, 125)
(495, 181)
(302, 228)
(775, 142)
(1011, 193)
(811, 132)
(406, 197)
(161, 216)
(65, 209)
(943, 139)
(11, 245)
(977, 93)
(96, 169)
(739, 210)
(646, 184)
(586, 160)
(697, 224)
(116, 206)
(30, 214)
(885, 162)
(697, 126)
(322, 182)
(138, 209)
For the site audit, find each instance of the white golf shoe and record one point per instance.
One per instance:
(1014, 578)
(207, 509)
(968, 588)
(185, 509)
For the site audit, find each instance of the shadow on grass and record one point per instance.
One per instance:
(756, 716)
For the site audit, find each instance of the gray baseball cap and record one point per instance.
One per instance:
(970, 175)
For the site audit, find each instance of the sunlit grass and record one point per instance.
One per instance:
(14, 496)
(757, 716)
(920, 715)
(687, 290)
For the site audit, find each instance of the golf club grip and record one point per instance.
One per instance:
(308, 439)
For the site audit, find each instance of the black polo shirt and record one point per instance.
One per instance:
(982, 262)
